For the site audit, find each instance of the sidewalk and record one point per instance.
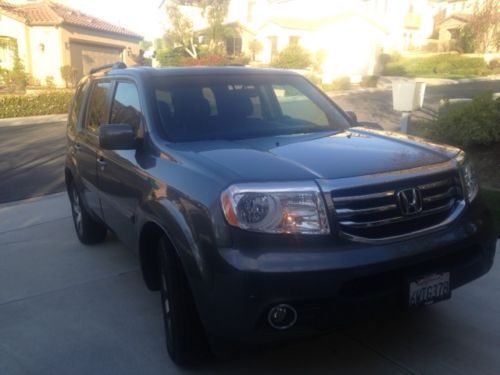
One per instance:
(33, 120)
(66, 308)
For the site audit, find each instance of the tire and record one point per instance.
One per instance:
(88, 230)
(186, 338)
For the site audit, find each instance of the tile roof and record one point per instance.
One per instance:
(47, 13)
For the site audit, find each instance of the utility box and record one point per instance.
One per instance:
(407, 95)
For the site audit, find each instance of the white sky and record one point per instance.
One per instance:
(141, 16)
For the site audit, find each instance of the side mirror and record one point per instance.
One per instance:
(117, 137)
(353, 116)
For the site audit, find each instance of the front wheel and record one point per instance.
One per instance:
(187, 342)
(88, 230)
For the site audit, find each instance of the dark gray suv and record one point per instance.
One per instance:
(259, 209)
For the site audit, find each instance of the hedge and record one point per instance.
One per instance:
(472, 124)
(47, 103)
(443, 65)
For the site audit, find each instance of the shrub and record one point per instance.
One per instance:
(205, 60)
(369, 81)
(49, 82)
(476, 123)
(341, 83)
(15, 79)
(69, 74)
(31, 105)
(292, 57)
(494, 64)
(436, 65)
(240, 59)
(170, 57)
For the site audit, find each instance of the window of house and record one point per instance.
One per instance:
(233, 45)
(97, 113)
(126, 106)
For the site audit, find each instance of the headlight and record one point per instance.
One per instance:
(469, 177)
(276, 208)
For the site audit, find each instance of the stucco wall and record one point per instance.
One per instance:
(18, 30)
(45, 53)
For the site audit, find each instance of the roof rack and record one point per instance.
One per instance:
(115, 65)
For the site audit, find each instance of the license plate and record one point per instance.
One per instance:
(430, 289)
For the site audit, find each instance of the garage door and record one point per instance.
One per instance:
(86, 56)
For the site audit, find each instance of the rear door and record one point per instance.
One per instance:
(86, 143)
(120, 183)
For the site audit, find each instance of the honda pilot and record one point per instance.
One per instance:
(259, 209)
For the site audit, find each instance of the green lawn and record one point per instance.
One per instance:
(492, 200)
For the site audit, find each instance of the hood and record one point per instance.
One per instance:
(351, 153)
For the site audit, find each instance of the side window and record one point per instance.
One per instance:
(126, 106)
(298, 106)
(76, 105)
(96, 115)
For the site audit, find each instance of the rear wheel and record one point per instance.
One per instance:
(186, 339)
(88, 230)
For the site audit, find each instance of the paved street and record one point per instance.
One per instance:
(377, 106)
(31, 160)
(32, 155)
(70, 309)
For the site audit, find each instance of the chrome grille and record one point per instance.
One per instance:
(374, 212)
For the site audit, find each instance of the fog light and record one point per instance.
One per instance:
(282, 316)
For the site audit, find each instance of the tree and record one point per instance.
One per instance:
(484, 25)
(16, 78)
(255, 47)
(145, 45)
(180, 32)
(215, 11)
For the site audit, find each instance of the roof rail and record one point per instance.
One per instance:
(115, 65)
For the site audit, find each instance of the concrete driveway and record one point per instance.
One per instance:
(70, 309)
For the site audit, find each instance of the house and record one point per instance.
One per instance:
(349, 35)
(449, 30)
(49, 35)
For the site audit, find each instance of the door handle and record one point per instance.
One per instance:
(102, 162)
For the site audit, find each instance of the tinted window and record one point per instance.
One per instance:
(239, 107)
(97, 115)
(126, 106)
(76, 105)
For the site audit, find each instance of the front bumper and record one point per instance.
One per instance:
(329, 284)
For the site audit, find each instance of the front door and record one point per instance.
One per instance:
(119, 181)
(86, 144)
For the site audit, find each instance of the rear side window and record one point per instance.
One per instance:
(97, 114)
(76, 105)
(126, 106)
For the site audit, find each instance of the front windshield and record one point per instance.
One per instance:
(198, 107)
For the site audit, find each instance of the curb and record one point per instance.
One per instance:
(33, 120)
